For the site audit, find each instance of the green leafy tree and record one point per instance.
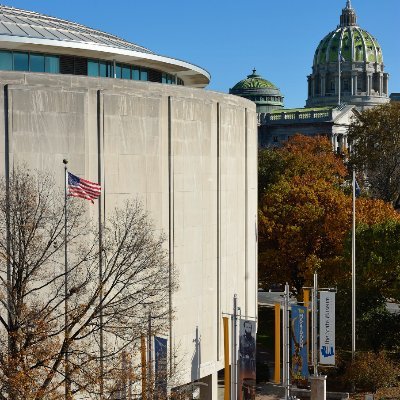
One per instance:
(375, 136)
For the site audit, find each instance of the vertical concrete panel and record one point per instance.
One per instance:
(194, 155)
(133, 151)
(47, 125)
(252, 192)
(232, 205)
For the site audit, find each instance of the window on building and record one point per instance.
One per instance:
(6, 62)
(93, 68)
(21, 61)
(103, 69)
(36, 62)
(126, 72)
(275, 139)
(143, 75)
(135, 74)
(118, 71)
(52, 64)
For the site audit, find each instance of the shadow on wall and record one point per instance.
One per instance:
(196, 359)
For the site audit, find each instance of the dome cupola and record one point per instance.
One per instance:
(348, 17)
(259, 90)
(348, 67)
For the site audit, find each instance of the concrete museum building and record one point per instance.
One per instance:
(142, 126)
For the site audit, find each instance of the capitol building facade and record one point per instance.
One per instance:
(348, 76)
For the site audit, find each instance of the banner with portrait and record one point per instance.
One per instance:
(160, 367)
(299, 337)
(327, 328)
(247, 360)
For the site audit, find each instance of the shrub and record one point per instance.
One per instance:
(371, 371)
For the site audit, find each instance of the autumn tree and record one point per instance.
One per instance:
(375, 138)
(35, 331)
(305, 214)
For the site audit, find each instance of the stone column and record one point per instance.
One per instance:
(345, 146)
(381, 84)
(369, 84)
(318, 387)
(385, 83)
(323, 84)
(313, 87)
(354, 82)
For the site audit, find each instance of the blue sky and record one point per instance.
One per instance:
(229, 38)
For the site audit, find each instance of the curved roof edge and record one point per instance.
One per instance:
(31, 31)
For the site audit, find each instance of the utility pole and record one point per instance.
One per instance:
(353, 272)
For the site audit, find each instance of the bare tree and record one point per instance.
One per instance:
(34, 337)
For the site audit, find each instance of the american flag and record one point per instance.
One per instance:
(78, 187)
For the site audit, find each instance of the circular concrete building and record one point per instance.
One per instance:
(140, 125)
(349, 60)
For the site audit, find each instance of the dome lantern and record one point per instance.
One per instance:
(348, 17)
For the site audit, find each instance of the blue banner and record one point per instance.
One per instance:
(298, 330)
(160, 367)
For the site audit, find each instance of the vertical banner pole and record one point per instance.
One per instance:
(287, 344)
(227, 377)
(277, 369)
(353, 272)
(66, 333)
(144, 366)
(315, 325)
(149, 360)
(234, 351)
(284, 340)
(306, 300)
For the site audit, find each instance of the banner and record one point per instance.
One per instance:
(327, 328)
(160, 367)
(298, 333)
(247, 361)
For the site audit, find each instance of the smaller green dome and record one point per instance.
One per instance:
(254, 81)
(262, 92)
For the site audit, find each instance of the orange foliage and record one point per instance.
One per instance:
(305, 216)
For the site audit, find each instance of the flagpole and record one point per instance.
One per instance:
(66, 334)
(353, 272)
(339, 80)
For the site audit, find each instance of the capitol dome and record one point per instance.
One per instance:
(354, 55)
(259, 90)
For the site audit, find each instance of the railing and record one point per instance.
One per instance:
(295, 116)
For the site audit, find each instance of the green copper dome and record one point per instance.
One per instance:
(350, 41)
(348, 67)
(262, 92)
(354, 44)
(254, 81)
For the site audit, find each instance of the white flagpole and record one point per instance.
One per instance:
(353, 272)
(66, 334)
(339, 78)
